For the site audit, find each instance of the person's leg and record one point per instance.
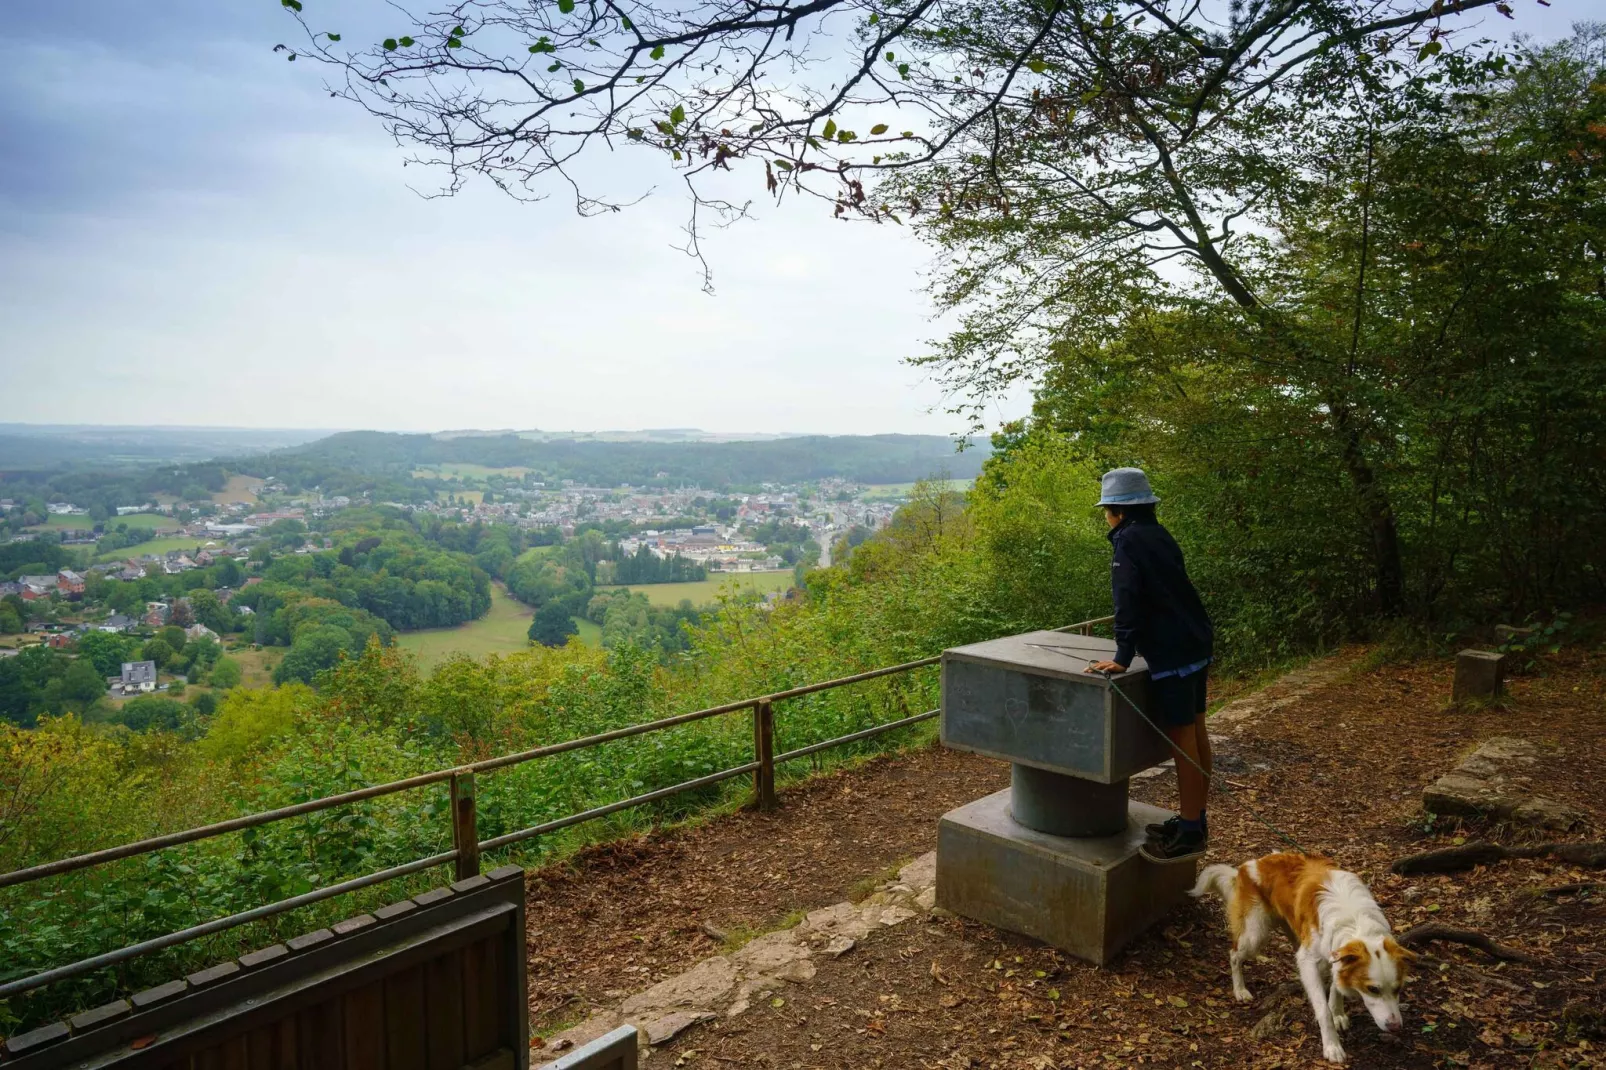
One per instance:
(1190, 781)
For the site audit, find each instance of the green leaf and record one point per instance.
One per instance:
(891, 57)
(579, 86)
(1432, 48)
(624, 20)
(565, 6)
(657, 53)
(407, 42)
(635, 133)
(555, 67)
(389, 44)
(875, 17)
(457, 31)
(452, 42)
(830, 129)
(677, 115)
(1109, 20)
(332, 36)
(846, 136)
(1036, 66)
(878, 129)
(293, 5)
(783, 165)
(903, 69)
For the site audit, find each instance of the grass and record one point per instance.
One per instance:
(473, 496)
(704, 592)
(155, 546)
(503, 630)
(590, 634)
(461, 471)
(895, 491)
(239, 489)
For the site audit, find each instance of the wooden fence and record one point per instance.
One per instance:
(466, 846)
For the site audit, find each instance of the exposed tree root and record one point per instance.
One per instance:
(1433, 931)
(1482, 853)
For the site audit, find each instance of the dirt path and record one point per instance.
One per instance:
(1341, 768)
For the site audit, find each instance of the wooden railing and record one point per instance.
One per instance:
(466, 846)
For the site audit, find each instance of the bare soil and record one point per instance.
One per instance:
(1340, 771)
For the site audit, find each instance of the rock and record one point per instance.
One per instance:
(662, 1030)
(838, 946)
(1489, 783)
(779, 955)
(921, 873)
(699, 988)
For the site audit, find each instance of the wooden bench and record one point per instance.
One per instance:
(436, 982)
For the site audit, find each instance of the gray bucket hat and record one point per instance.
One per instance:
(1126, 486)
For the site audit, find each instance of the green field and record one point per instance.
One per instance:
(897, 491)
(134, 520)
(155, 546)
(704, 592)
(503, 630)
(463, 471)
(239, 489)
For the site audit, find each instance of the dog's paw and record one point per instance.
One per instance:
(1341, 1021)
(1242, 994)
(1333, 1052)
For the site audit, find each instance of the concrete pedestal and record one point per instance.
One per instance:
(1063, 805)
(1087, 896)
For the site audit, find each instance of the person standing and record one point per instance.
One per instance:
(1159, 615)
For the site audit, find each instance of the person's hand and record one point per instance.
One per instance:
(1105, 666)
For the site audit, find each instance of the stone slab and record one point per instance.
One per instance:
(1088, 897)
(1479, 674)
(1025, 699)
(1496, 782)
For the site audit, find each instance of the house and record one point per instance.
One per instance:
(156, 613)
(69, 582)
(199, 631)
(59, 640)
(117, 622)
(137, 676)
(36, 587)
(9, 588)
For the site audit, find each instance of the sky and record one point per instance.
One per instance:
(193, 233)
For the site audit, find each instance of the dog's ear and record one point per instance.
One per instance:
(1404, 956)
(1350, 955)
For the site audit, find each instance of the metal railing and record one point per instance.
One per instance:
(466, 846)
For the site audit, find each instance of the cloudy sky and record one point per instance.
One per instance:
(192, 232)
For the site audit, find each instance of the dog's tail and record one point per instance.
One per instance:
(1219, 879)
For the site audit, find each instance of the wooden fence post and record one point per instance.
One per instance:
(465, 829)
(764, 755)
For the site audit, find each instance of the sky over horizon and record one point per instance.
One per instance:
(193, 233)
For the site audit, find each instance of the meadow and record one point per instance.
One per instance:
(903, 491)
(706, 592)
(448, 470)
(239, 489)
(154, 546)
(133, 520)
(503, 630)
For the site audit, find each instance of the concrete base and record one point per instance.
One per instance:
(1063, 805)
(1089, 897)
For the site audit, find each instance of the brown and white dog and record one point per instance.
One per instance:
(1345, 945)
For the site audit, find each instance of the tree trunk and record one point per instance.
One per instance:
(1388, 570)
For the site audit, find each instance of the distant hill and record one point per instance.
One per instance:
(52, 446)
(862, 458)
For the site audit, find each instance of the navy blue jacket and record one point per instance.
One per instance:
(1157, 612)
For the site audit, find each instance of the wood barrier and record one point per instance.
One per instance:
(436, 982)
(616, 1051)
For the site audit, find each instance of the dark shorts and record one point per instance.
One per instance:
(1178, 700)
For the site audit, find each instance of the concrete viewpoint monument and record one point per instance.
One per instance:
(1054, 856)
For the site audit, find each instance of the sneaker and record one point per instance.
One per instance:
(1180, 846)
(1161, 829)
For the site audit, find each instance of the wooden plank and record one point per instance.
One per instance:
(500, 1059)
(405, 1032)
(364, 1027)
(481, 1002)
(235, 1053)
(261, 1045)
(318, 1042)
(443, 1011)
